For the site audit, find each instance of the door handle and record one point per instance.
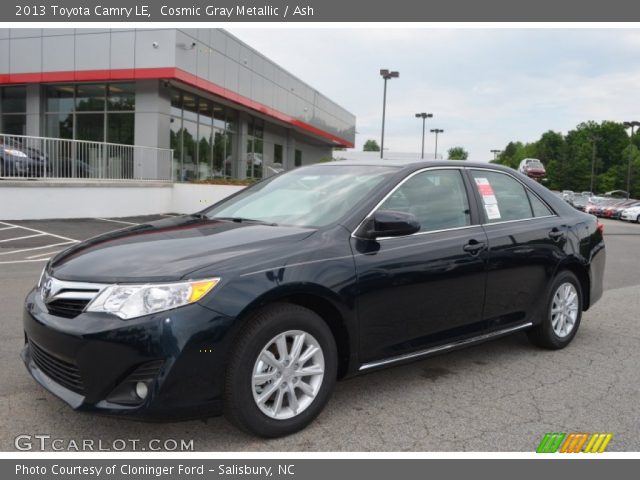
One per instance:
(556, 234)
(474, 247)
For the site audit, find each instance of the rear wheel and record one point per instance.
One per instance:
(281, 372)
(562, 314)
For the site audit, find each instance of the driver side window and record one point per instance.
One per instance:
(437, 198)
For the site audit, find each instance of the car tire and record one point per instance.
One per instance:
(638, 219)
(264, 392)
(562, 313)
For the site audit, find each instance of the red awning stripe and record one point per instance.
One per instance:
(169, 73)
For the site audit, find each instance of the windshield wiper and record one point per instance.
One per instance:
(244, 220)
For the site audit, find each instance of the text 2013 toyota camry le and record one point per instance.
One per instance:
(256, 305)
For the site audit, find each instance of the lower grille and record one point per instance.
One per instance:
(61, 371)
(67, 307)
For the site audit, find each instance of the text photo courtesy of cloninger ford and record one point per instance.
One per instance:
(319, 239)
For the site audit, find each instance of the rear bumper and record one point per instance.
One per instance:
(94, 361)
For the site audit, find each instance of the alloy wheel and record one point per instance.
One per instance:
(288, 374)
(564, 309)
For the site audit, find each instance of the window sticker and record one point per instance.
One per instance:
(493, 212)
(488, 198)
(486, 191)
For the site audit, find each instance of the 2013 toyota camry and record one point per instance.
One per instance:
(256, 305)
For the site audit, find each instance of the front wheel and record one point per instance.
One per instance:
(281, 372)
(562, 315)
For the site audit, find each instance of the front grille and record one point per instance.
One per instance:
(61, 371)
(67, 299)
(67, 307)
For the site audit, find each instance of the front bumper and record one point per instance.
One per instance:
(19, 167)
(628, 217)
(93, 361)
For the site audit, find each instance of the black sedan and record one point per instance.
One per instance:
(258, 304)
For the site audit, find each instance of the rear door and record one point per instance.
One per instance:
(526, 241)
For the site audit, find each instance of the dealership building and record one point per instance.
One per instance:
(222, 107)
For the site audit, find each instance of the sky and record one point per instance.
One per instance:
(485, 87)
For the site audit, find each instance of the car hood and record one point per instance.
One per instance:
(169, 250)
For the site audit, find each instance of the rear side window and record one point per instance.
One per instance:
(505, 199)
(539, 208)
(437, 198)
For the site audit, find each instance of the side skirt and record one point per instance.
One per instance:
(443, 348)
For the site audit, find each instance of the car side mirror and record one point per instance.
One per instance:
(389, 223)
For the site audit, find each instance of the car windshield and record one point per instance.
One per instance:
(313, 196)
(534, 164)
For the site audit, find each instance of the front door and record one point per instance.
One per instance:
(427, 288)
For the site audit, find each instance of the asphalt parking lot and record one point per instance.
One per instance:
(499, 396)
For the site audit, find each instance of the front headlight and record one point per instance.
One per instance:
(130, 301)
(42, 275)
(15, 153)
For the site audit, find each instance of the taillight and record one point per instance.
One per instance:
(600, 228)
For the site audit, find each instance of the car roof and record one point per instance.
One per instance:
(412, 164)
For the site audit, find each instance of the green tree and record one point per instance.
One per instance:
(458, 153)
(371, 146)
(569, 159)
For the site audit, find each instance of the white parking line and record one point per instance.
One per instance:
(40, 231)
(6, 228)
(25, 261)
(43, 254)
(36, 248)
(116, 221)
(22, 238)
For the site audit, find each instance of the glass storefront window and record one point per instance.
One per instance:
(176, 103)
(204, 151)
(205, 112)
(277, 155)
(255, 158)
(90, 98)
(256, 128)
(189, 148)
(59, 125)
(122, 97)
(201, 142)
(90, 126)
(190, 107)
(175, 143)
(298, 158)
(231, 121)
(120, 128)
(68, 108)
(13, 99)
(13, 124)
(228, 158)
(219, 117)
(60, 98)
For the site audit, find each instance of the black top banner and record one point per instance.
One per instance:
(319, 11)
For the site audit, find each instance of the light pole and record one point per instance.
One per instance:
(631, 125)
(436, 131)
(495, 153)
(424, 117)
(386, 75)
(594, 139)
